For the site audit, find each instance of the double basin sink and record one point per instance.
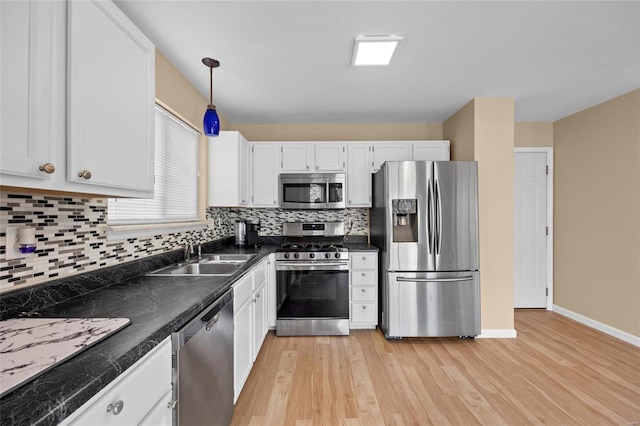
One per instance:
(207, 265)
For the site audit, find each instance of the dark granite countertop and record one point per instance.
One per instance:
(156, 306)
(361, 247)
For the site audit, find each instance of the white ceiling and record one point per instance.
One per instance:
(290, 61)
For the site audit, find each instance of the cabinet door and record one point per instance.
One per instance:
(389, 151)
(265, 172)
(259, 320)
(111, 95)
(242, 341)
(162, 413)
(431, 151)
(330, 157)
(244, 171)
(228, 168)
(271, 291)
(26, 51)
(296, 156)
(359, 175)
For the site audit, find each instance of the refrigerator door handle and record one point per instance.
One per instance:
(438, 225)
(433, 280)
(430, 217)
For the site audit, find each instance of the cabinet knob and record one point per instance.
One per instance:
(307, 167)
(364, 274)
(85, 174)
(317, 167)
(364, 290)
(115, 408)
(274, 202)
(257, 296)
(172, 405)
(47, 168)
(364, 307)
(364, 257)
(349, 201)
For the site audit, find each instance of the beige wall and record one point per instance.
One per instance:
(339, 132)
(533, 134)
(483, 130)
(597, 213)
(459, 129)
(178, 95)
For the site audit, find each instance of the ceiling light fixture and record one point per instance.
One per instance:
(374, 50)
(211, 121)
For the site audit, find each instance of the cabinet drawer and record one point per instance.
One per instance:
(364, 312)
(135, 392)
(364, 261)
(242, 290)
(364, 277)
(260, 274)
(363, 294)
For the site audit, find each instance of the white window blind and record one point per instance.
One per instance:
(176, 178)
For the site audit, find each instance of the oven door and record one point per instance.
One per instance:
(312, 290)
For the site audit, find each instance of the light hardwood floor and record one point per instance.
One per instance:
(557, 372)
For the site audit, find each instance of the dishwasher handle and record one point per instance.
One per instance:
(206, 319)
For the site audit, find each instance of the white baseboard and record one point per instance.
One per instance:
(498, 333)
(619, 334)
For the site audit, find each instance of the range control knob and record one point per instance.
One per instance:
(286, 255)
(296, 255)
(337, 255)
(312, 255)
(327, 255)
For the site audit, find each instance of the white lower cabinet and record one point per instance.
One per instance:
(271, 292)
(141, 395)
(249, 322)
(363, 284)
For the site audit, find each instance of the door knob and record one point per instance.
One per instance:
(47, 168)
(85, 174)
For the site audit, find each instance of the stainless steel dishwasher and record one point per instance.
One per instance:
(203, 367)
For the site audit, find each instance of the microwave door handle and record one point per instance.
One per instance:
(327, 193)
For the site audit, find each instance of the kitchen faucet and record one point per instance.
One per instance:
(188, 251)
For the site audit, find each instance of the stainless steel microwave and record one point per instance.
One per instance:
(312, 190)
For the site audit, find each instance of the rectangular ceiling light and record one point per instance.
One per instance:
(374, 50)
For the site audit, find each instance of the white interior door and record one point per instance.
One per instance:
(530, 230)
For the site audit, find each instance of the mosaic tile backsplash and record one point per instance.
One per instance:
(71, 239)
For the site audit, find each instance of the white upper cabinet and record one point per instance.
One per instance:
(265, 170)
(111, 80)
(26, 34)
(296, 157)
(389, 151)
(330, 157)
(229, 170)
(359, 175)
(78, 94)
(431, 151)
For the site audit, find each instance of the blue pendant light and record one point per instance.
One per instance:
(211, 121)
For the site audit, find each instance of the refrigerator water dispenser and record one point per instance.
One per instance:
(405, 220)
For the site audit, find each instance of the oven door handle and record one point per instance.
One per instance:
(309, 266)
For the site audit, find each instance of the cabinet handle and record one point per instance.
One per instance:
(85, 174)
(255, 300)
(257, 296)
(116, 408)
(47, 168)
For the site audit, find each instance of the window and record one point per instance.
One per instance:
(176, 178)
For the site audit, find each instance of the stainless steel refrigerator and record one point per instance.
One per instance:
(425, 221)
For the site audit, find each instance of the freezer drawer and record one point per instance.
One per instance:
(431, 304)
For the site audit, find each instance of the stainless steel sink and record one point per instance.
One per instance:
(227, 258)
(202, 269)
(208, 265)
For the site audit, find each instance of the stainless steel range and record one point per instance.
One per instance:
(312, 279)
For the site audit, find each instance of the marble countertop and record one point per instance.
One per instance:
(156, 306)
(31, 346)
